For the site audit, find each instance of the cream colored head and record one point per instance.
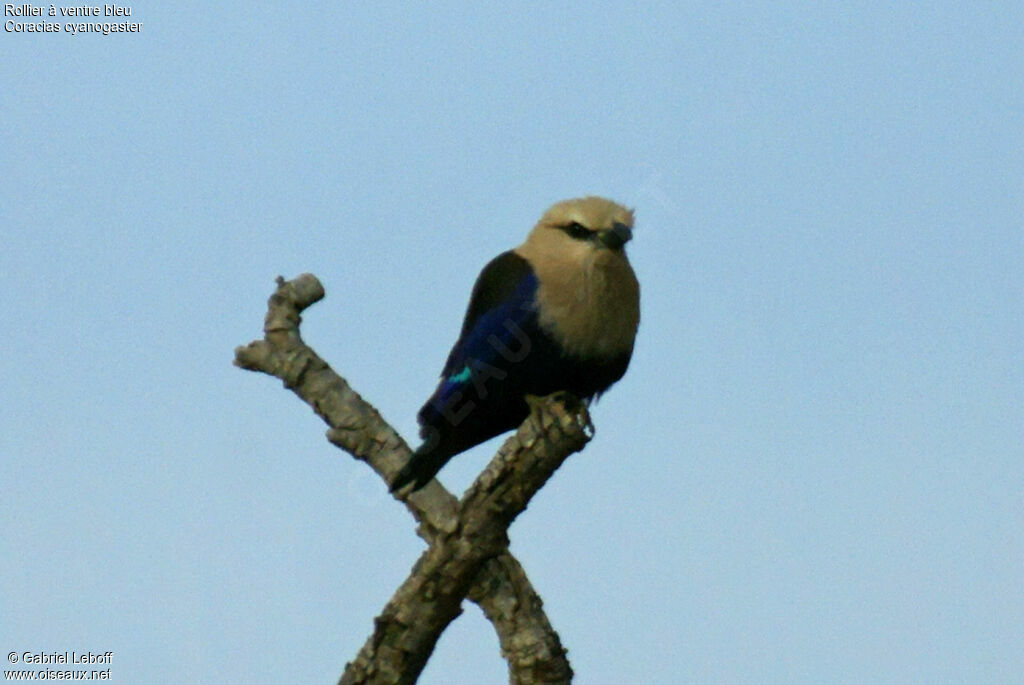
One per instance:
(559, 230)
(588, 296)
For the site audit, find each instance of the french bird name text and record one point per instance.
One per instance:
(105, 28)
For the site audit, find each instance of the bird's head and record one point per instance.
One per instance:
(583, 230)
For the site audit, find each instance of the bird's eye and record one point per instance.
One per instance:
(577, 231)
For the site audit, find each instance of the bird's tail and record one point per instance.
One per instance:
(421, 468)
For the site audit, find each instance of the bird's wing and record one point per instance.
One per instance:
(500, 322)
(502, 303)
(483, 377)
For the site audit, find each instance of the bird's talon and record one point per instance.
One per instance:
(587, 425)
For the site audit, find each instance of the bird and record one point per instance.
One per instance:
(559, 312)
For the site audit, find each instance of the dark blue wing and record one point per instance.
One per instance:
(497, 334)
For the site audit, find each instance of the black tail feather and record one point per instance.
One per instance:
(420, 469)
(442, 441)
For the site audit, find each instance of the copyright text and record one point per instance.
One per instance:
(59, 665)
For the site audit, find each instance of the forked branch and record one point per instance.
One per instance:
(467, 553)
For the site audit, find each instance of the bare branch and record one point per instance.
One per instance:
(528, 642)
(408, 628)
(501, 588)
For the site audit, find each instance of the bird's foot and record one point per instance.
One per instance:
(562, 406)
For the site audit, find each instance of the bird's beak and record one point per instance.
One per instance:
(616, 236)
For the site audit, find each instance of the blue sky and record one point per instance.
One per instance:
(813, 471)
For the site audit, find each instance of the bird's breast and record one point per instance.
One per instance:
(592, 312)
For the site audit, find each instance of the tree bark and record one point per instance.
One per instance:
(467, 553)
